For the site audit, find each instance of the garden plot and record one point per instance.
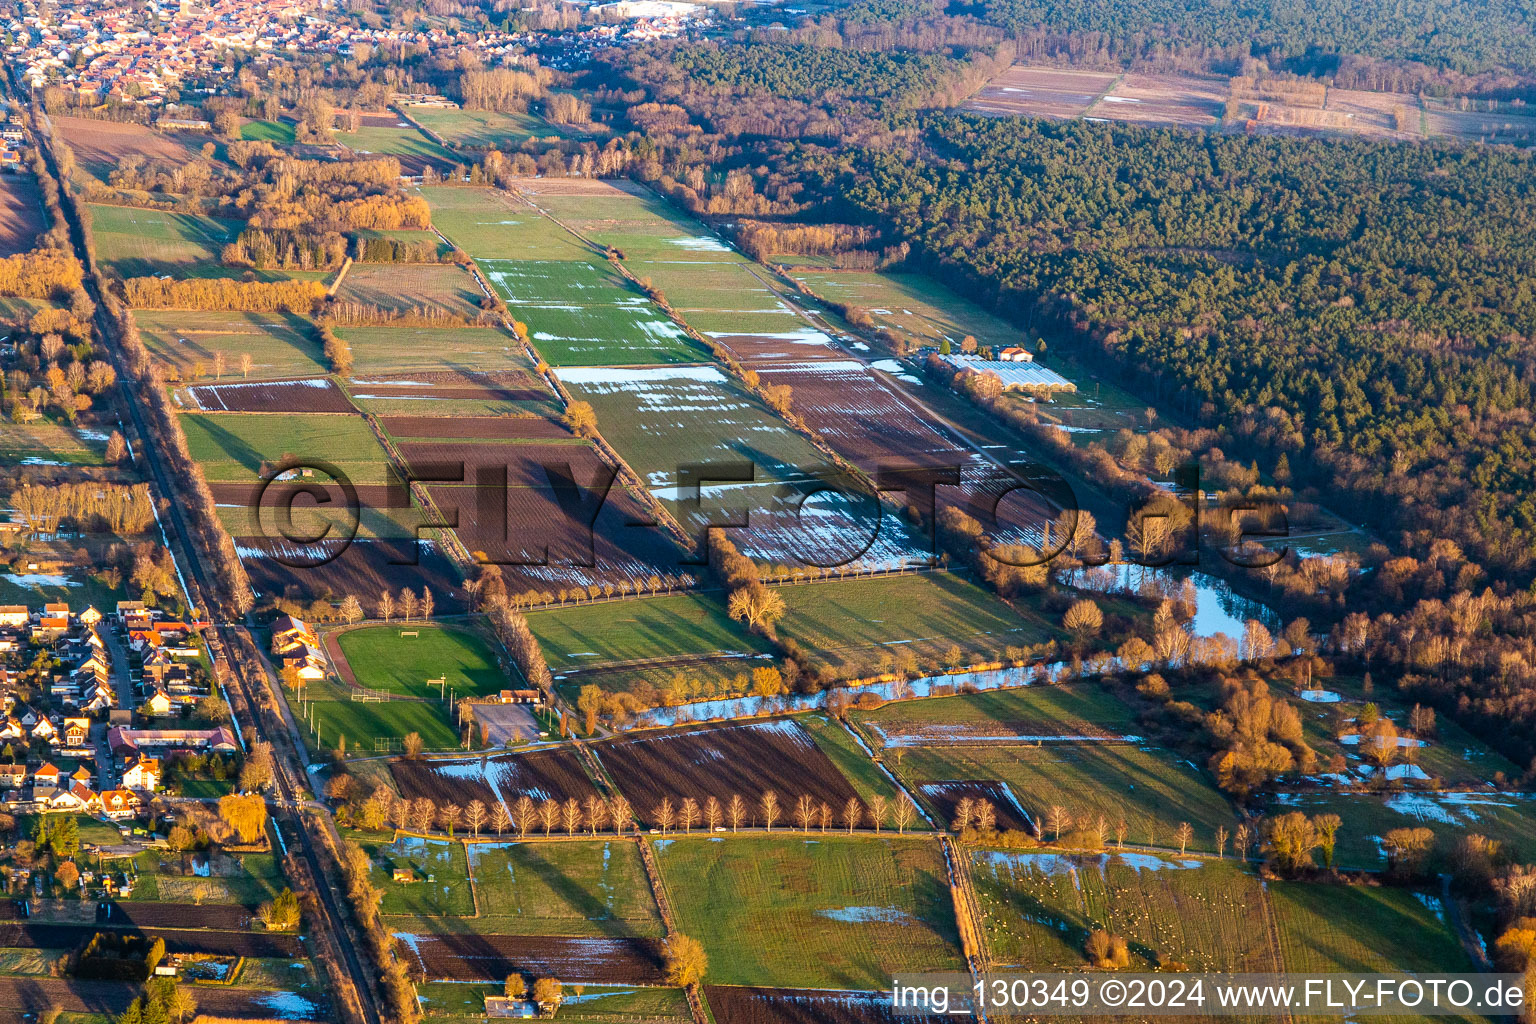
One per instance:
(539, 775)
(279, 344)
(442, 888)
(1038, 908)
(312, 395)
(779, 756)
(824, 912)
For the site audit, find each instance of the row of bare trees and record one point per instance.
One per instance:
(595, 814)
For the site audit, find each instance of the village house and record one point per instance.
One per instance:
(142, 774)
(77, 731)
(119, 804)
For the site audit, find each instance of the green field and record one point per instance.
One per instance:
(1153, 790)
(377, 349)
(833, 912)
(141, 243)
(279, 133)
(1038, 909)
(336, 714)
(863, 774)
(1033, 711)
(922, 613)
(407, 143)
(383, 659)
(481, 129)
(591, 636)
(73, 587)
(233, 446)
(594, 888)
(441, 888)
(402, 287)
(46, 444)
(279, 344)
(488, 225)
(1363, 928)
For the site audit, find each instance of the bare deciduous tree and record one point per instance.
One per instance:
(736, 809)
(571, 814)
(902, 812)
(1184, 833)
(962, 819)
(877, 807)
(1056, 820)
(769, 805)
(664, 814)
(712, 813)
(475, 815)
(986, 816)
(853, 813)
(1221, 841)
(500, 819)
(597, 813)
(549, 814)
(688, 814)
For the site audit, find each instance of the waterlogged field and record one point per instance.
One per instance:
(279, 344)
(827, 912)
(1509, 818)
(1038, 909)
(1152, 790)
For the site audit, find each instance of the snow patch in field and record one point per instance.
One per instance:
(1423, 808)
(1321, 696)
(1148, 862)
(39, 579)
(1396, 771)
(700, 243)
(895, 369)
(621, 378)
(866, 915)
(288, 1005)
(804, 336)
(1353, 740)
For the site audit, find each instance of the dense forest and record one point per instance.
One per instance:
(1363, 308)
(1469, 37)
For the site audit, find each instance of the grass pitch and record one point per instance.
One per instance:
(390, 658)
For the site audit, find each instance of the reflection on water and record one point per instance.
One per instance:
(1217, 610)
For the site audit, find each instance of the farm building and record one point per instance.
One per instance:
(1016, 375)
